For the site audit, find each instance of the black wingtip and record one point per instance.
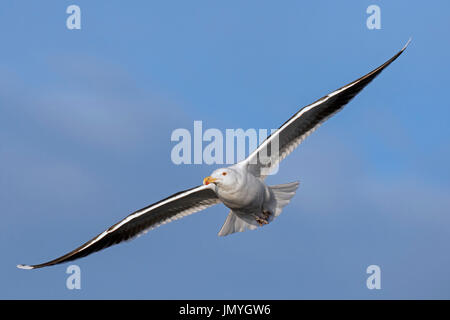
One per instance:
(396, 56)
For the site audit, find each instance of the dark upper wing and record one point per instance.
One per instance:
(304, 122)
(174, 207)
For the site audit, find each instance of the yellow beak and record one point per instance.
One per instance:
(208, 180)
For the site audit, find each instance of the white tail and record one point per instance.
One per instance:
(283, 194)
(235, 224)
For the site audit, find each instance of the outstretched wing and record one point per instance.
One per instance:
(174, 207)
(304, 122)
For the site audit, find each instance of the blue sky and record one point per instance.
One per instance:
(86, 118)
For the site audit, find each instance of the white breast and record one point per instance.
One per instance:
(248, 195)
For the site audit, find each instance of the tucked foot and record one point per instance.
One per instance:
(264, 219)
(267, 215)
(261, 221)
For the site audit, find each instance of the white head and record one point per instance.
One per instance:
(223, 177)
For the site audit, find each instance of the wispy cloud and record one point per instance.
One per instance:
(98, 105)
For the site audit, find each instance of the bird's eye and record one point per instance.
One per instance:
(224, 173)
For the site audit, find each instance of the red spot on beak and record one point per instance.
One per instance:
(208, 180)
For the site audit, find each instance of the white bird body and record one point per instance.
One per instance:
(240, 187)
(237, 194)
(251, 201)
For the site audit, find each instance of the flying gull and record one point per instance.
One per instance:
(240, 187)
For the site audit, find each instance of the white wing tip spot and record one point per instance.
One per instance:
(24, 266)
(407, 44)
